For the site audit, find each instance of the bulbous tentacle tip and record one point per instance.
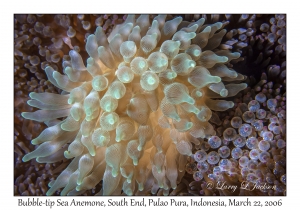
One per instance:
(190, 100)
(32, 94)
(140, 148)
(158, 170)
(114, 173)
(224, 93)
(118, 138)
(26, 158)
(140, 186)
(135, 162)
(70, 101)
(24, 115)
(48, 193)
(79, 187)
(35, 141)
(67, 154)
(223, 59)
(189, 125)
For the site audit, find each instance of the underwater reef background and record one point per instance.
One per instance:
(245, 142)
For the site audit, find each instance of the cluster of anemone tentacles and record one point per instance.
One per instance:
(130, 114)
(249, 148)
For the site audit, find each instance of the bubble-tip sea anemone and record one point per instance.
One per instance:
(129, 115)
